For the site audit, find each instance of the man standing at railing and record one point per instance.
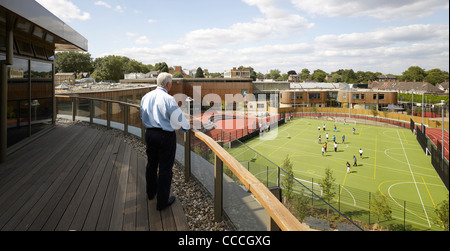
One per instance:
(161, 115)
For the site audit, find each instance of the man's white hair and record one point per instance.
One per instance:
(163, 79)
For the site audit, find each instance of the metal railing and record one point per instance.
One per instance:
(110, 113)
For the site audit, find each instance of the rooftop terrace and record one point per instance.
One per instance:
(72, 177)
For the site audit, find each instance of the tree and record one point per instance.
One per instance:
(115, 67)
(73, 62)
(215, 74)
(375, 110)
(349, 76)
(162, 67)
(177, 75)
(436, 76)
(370, 76)
(442, 212)
(199, 73)
(108, 68)
(319, 75)
(380, 207)
(414, 73)
(287, 182)
(328, 187)
(336, 78)
(274, 74)
(301, 205)
(360, 76)
(131, 66)
(305, 74)
(259, 75)
(253, 74)
(283, 77)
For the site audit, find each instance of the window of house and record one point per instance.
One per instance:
(314, 96)
(297, 96)
(358, 96)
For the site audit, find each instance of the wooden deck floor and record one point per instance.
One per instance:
(79, 178)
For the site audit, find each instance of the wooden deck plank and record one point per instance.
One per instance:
(57, 185)
(167, 219)
(21, 144)
(15, 158)
(78, 187)
(142, 221)
(179, 217)
(40, 219)
(104, 220)
(28, 190)
(80, 178)
(25, 168)
(97, 202)
(129, 212)
(68, 186)
(83, 210)
(154, 217)
(121, 191)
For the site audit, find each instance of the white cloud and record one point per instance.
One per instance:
(385, 59)
(152, 55)
(276, 39)
(235, 34)
(276, 22)
(277, 50)
(104, 4)
(118, 8)
(296, 56)
(142, 40)
(130, 34)
(380, 9)
(387, 36)
(65, 10)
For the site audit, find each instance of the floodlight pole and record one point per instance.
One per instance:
(187, 144)
(422, 109)
(412, 104)
(349, 94)
(442, 143)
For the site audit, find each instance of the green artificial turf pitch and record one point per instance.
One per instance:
(392, 162)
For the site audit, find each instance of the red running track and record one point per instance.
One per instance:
(435, 135)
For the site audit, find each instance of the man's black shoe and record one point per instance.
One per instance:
(169, 202)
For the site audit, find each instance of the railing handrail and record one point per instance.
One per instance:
(276, 210)
(99, 99)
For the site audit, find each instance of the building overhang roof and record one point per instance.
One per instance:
(65, 38)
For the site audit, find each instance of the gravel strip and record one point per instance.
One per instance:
(197, 203)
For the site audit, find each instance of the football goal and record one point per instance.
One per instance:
(345, 121)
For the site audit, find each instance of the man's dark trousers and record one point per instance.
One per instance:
(161, 148)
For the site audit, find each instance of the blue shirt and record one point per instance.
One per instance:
(160, 110)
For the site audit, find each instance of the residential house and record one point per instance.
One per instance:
(237, 73)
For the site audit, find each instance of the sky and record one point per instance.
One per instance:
(386, 36)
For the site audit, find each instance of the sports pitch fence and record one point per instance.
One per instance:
(439, 163)
(351, 202)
